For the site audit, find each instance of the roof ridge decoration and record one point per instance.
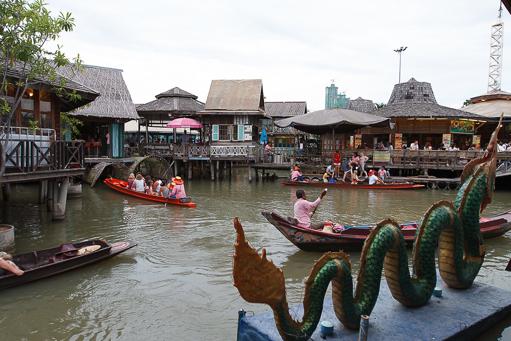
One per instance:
(176, 92)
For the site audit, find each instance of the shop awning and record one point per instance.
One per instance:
(328, 120)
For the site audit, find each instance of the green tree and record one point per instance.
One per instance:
(28, 56)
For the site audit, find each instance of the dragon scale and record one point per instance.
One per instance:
(452, 227)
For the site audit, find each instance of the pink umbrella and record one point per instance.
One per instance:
(184, 122)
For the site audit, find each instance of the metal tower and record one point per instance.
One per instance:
(496, 50)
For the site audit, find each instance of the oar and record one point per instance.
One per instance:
(321, 197)
(508, 267)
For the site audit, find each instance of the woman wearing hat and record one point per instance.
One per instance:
(178, 192)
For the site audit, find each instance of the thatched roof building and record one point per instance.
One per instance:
(285, 109)
(415, 99)
(114, 101)
(361, 105)
(491, 105)
(235, 97)
(172, 103)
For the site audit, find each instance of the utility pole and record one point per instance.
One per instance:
(496, 51)
(400, 50)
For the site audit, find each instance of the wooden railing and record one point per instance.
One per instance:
(196, 151)
(29, 156)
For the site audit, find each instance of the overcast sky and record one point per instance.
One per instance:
(295, 47)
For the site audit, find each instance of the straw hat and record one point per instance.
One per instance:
(177, 180)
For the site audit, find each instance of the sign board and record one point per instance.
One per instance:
(462, 127)
(476, 140)
(248, 132)
(358, 140)
(382, 156)
(446, 140)
(398, 141)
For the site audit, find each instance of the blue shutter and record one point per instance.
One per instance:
(215, 132)
(241, 132)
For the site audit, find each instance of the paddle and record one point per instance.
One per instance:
(508, 267)
(321, 197)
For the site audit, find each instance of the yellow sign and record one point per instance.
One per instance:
(462, 127)
(358, 140)
(381, 156)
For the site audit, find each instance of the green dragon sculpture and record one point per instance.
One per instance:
(453, 227)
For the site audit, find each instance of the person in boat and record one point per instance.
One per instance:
(178, 192)
(336, 160)
(131, 179)
(373, 179)
(328, 176)
(139, 183)
(383, 173)
(7, 264)
(166, 189)
(149, 187)
(156, 186)
(303, 210)
(296, 174)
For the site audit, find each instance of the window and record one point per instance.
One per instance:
(224, 132)
(241, 120)
(45, 109)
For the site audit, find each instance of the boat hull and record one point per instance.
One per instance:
(38, 265)
(353, 238)
(120, 186)
(386, 186)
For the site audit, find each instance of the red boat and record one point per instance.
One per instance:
(121, 186)
(353, 237)
(342, 184)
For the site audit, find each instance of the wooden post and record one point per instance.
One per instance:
(60, 200)
(6, 192)
(49, 195)
(230, 170)
(201, 175)
(217, 168)
(43, 191)
(212, 170)
(175, 167)
(250, 173)
(190, 168)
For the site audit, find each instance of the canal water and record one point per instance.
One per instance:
(176, 284)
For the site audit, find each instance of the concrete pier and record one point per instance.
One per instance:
(457, 315)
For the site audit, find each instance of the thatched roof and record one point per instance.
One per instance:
(114, 100)
(415, 99)
(174, 101)
(238, 97)
(87, 94)
(285, 109)
(361, 105)
(324, 121)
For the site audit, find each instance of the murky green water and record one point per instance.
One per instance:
(176, 284)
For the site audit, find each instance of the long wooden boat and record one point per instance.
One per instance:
(360, 185)
(121, 186)
(353, 237)
(49, 262)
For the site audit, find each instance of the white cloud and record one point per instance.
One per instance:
(296, 47)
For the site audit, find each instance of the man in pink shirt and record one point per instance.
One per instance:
(304, 209)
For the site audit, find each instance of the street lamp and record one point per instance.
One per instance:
(400, 50)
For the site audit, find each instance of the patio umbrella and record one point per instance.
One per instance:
(264, 137)
(184, 122)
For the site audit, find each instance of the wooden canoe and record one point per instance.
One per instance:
(120, 186)
(49, 262)
(360, 185)
(353, 237)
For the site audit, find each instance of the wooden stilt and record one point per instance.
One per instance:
(190, 168)
(217, 169)
(212, 170)
(43, 191)
(250, 173)
(60, 200)
(50, 195)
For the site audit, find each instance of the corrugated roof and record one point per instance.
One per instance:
(175, 101)
(285, 109)
(235, 95)
(87, 94)
(491, 108)
(114, 100)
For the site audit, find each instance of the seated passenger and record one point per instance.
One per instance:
(139, 183)
(178, 192)
(8, 265)
(149, 188)
(373, 179)
(383, 173)
(296, 175)
(304, 209)
(329, 173)
(165, 189)
(131, 179)
(156, 187)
